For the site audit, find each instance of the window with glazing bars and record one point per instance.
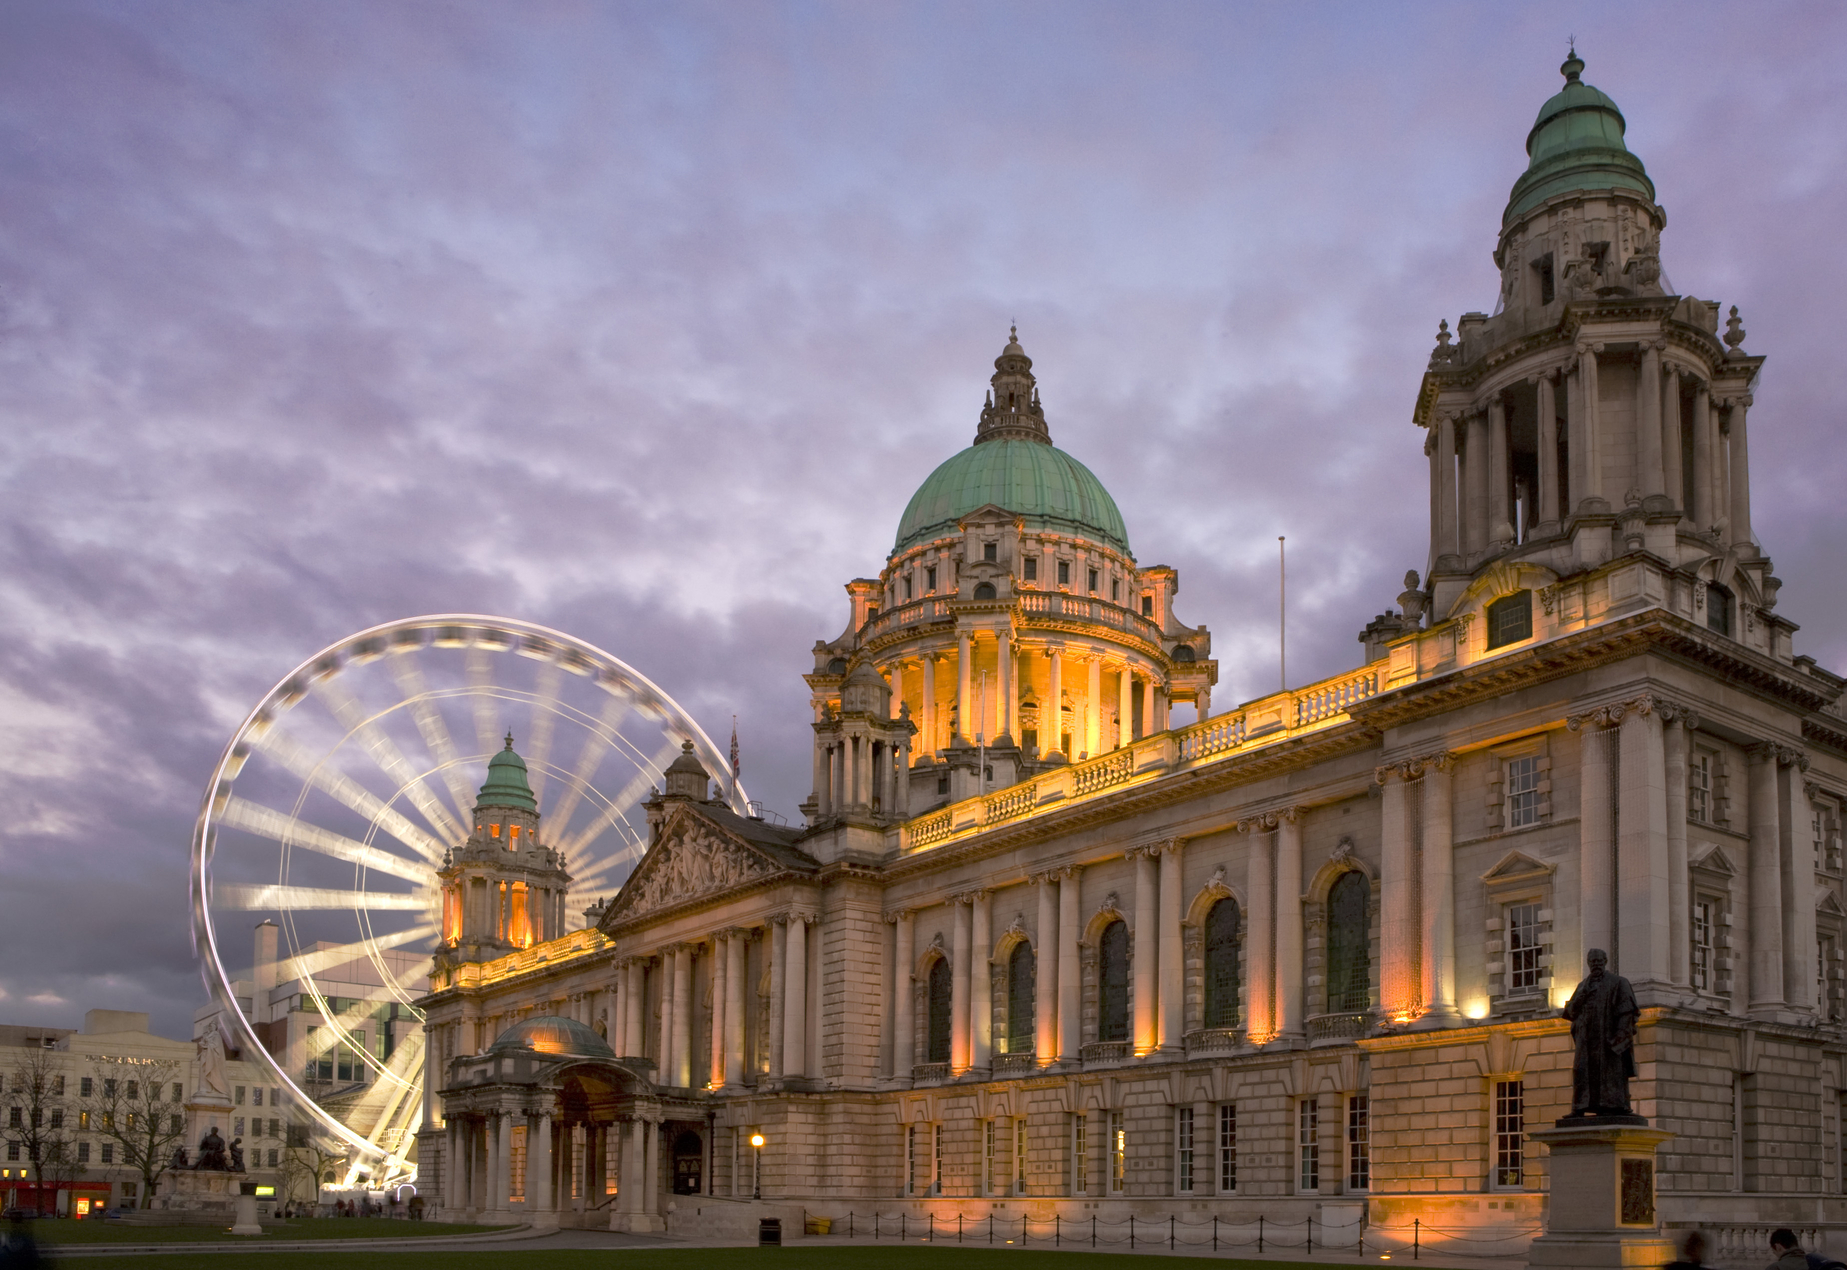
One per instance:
(994, 1175)
(1308, 1144)
(1183, 1144)
(1019, 1155)
(1228, 1147)
(1522, 949)
(1522, 792)
(1118, 1153)
(1509, 1131)
(1359, 1143)
(1701, 934)
(1080, 1155)
(1699, 788)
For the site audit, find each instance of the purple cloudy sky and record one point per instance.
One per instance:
(643, 321)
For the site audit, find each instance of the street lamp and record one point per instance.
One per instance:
(756, 1186)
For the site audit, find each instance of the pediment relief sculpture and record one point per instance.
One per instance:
(695, 863)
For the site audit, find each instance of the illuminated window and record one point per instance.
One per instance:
(1523, 792)
(1118, 1153)
(1359, 1143)
(1510, 619)
(496, 831)
(1183, 1147)
(516, 1163)
(1308, 1144)
(1699, 789)
(1523, 949)
(1029, 568)
(83, 1120)
(1228, 1147)
(513, 833)
(1509, 1131)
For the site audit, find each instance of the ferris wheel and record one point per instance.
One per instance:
(331, 809)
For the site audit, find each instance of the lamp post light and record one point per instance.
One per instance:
(756, 1185)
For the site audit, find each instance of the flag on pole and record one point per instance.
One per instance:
(734, 747)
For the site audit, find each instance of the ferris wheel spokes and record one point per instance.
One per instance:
(383, 751)
(267, 822)
(434, 729)
(301, 762)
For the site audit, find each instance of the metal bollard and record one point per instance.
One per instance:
(1259, 1232)
(1215, 1232)
(1131, 1230)
(1093, 1230)
(958, 1227)
(1170, 1232)
(1416, 1227)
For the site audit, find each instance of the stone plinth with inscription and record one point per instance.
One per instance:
(1602, 1211)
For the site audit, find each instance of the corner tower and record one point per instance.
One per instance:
(1011, 626)
(502, 889)
(1594, 413)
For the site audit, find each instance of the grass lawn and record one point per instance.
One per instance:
(792, 1258)
(59, 1234)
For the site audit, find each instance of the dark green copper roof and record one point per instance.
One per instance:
(506, 782)
(1040, 483)
(551, 1034)
(1576, 144)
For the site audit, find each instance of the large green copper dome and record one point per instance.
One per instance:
(1038, 482)
(1576, 144)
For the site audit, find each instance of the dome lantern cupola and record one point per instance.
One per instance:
(1575, 144)
(1013, 412)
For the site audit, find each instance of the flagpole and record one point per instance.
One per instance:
(1282, 612)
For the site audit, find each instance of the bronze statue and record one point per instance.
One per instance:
(211, 1152)
(237, 1155)
(1602, 1013)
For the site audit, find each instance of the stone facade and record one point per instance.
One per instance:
(1294, 959)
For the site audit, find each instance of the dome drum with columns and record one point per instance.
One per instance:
(1040, 945)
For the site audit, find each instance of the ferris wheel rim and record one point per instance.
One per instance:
(297, 683)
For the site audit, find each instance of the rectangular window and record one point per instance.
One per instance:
(1118, 1153)
(83, 1120)
(108, 1153)
(1699, 789)
(134, 1089)
(83, 1153)
(1092, 580)
(990, 551)
(237, 1095)
(1064, 573)
(256, 1096)
(1818, 833)
(1030, 568)
(173, 1124)
(907, 586)
(272, 1157)
(1019, 1155)
(910, 1160)
(176, 1092)
(109, 1087)
(57, 1086)
(1509, 1131)
(1308, 1144)
(85, 1085)
(1183, 1144)
(936, 1159)
(15, 1118)
(1523, 792)
(1080, 1155)
(930, 580)
(57, 1113)
(1522, 949)
(1228, 1147)
(1147, 606)
(1510, 619)
(516, 1164)
(237, 1127)
(275, 1129)
(1824, 956)
(1359, 1143)
(1702, 945)
(993, 1172)
(1115, 591)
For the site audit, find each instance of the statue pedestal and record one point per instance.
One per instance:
(246, 1223)
(1602, 1212)
(205, 1111)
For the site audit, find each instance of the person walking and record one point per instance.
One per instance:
(1692, 1254)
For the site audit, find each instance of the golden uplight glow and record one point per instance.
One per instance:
(756, 1139)
(1475, 1008)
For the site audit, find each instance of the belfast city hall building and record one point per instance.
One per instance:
(1036, 953)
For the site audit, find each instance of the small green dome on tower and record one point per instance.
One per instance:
(1576, 144)
(506, 782)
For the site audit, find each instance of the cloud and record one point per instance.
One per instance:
(645, 323)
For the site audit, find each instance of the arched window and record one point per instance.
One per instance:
(984, 590)
(1185, 653)
(1020, 1000)
(1349, 943)
(938, 1048)
(1113, 983)
(1222, 964)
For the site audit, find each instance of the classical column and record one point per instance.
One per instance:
(1436, 495)
(651, 1169)
(1145, 944)
(1766, 880)
(931, 743)
(1678, 721)
(1437, 902)
(1260, 931)
(1798, 877)
(1651, 474)
(721, 965)
(1399, 986)
(735, 952)
(1701, 423)
(1093, 708)
(1548, 452)
(1173, 960)
(542, 1167)
(1741, 477)
(635, 1002)
(1125, 706)
(1150, 725)
(683, 1016)
(1596, 848)
(1592, 430)
(1475, 486)
(903, 1017)
(1052, 711)
(1070, 977)
(960, 955)
(981, 983)
(1500, 475)
(964, 708)
(1673, 472)
(1288, 920)
(795, 987)
(1045, 971)
(1449, 542)
(503, 1161)
(779, 974)
(630, 1193)
(901, 759)
(1642, 852)
(897, 688)
(1004, 694)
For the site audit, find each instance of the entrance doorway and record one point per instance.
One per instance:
(688, 1164)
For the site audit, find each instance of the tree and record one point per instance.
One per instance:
(40, 1119)
(310, 1162)
(126, 1104)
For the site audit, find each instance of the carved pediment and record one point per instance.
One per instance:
(1517, 866)
(1715, 861)
(693, 860)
